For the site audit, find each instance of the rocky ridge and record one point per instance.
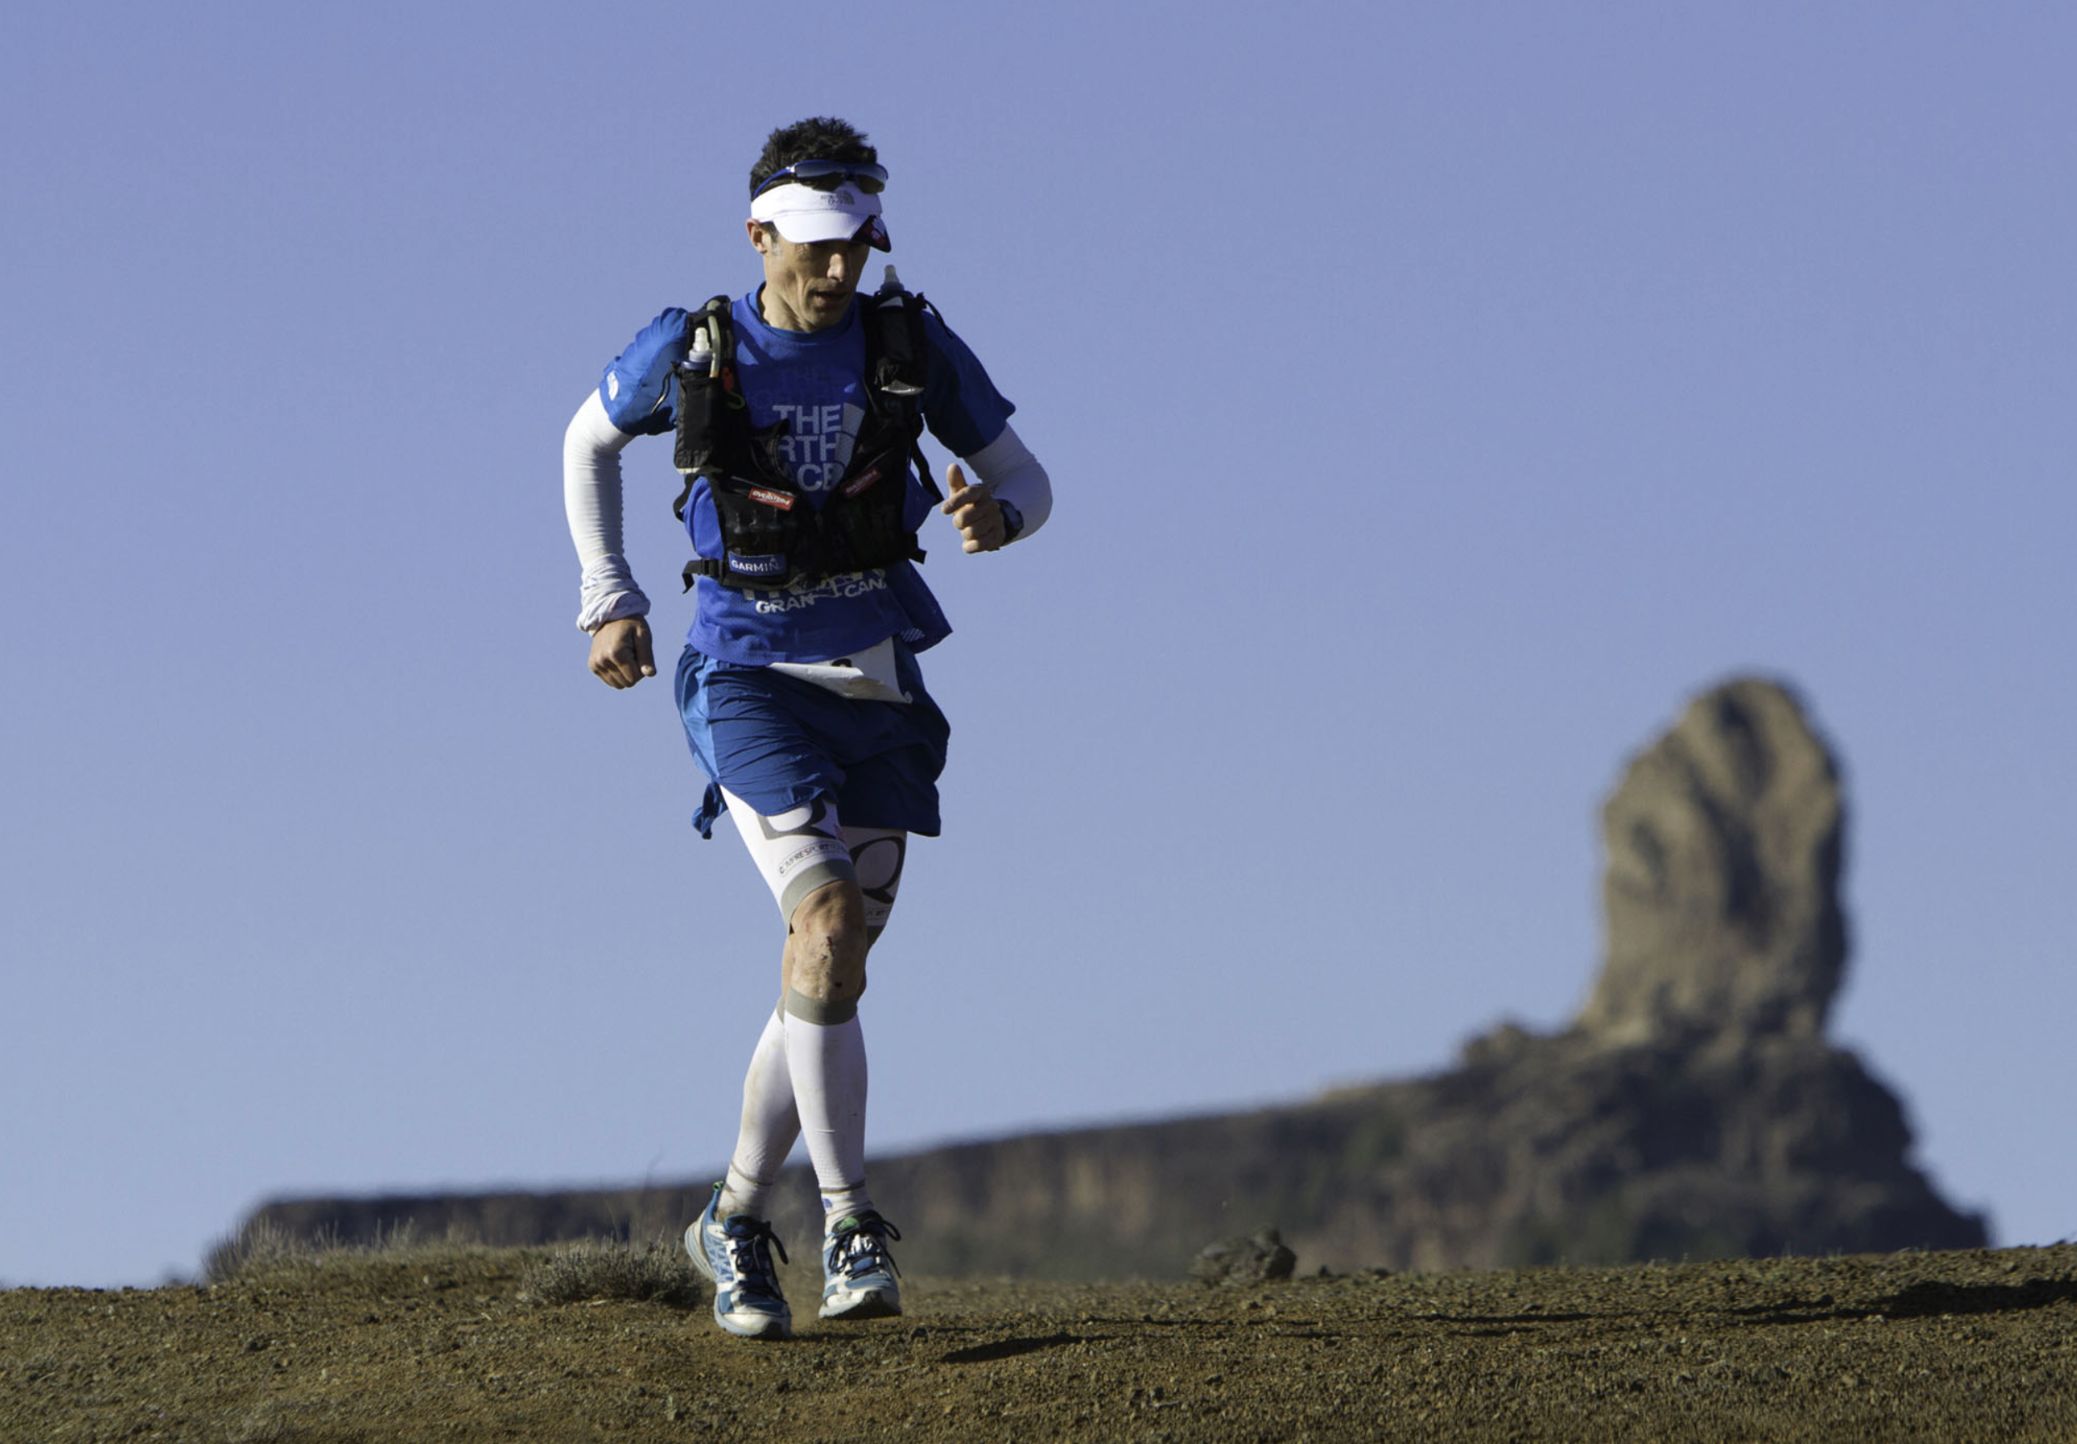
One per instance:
(1694, 1109)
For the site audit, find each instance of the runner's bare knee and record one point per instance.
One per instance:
(827, 950)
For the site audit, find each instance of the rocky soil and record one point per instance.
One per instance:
(444, 1344)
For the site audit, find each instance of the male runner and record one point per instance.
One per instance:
(799, 685)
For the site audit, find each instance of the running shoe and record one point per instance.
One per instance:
(736, 1253)
(857, 1270)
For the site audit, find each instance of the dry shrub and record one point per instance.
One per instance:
(605, 1269)
(264, 1247)
(257, 1247)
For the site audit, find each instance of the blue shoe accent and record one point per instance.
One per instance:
(858, 1272)
(736, 1253)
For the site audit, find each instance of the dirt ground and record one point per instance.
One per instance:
(443, 1344)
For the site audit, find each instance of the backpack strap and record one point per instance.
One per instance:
(897, 364)
(769, 537)
(710, 400)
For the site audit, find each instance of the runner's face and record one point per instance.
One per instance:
(808, 286)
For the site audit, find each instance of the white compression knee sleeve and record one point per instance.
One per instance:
(797, 851)
(877, 855)
(802, 850)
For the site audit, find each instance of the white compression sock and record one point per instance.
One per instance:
(770, 1125)
(827, 1061)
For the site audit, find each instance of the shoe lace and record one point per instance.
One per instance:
(750, 1245)
(859, 1246)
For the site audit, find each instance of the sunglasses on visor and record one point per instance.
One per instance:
(827, 175)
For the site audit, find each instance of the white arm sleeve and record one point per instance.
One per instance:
(1012, 474)
(591, 502)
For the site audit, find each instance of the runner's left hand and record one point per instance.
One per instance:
(973, 511)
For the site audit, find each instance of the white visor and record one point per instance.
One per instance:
(804, 214)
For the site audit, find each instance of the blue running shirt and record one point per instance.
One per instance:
(814, 380)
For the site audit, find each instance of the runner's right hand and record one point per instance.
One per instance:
(621, 654)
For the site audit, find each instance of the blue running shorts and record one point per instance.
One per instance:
(779, 742)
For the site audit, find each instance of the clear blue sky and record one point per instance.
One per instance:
(1436, 396)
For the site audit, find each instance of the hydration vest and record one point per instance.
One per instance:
(772, 533)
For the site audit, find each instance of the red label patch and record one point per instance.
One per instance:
(871, 475)
(769, 497)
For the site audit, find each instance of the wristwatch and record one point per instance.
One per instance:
(1012, 520)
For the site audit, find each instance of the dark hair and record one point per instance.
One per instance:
(821, 137)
